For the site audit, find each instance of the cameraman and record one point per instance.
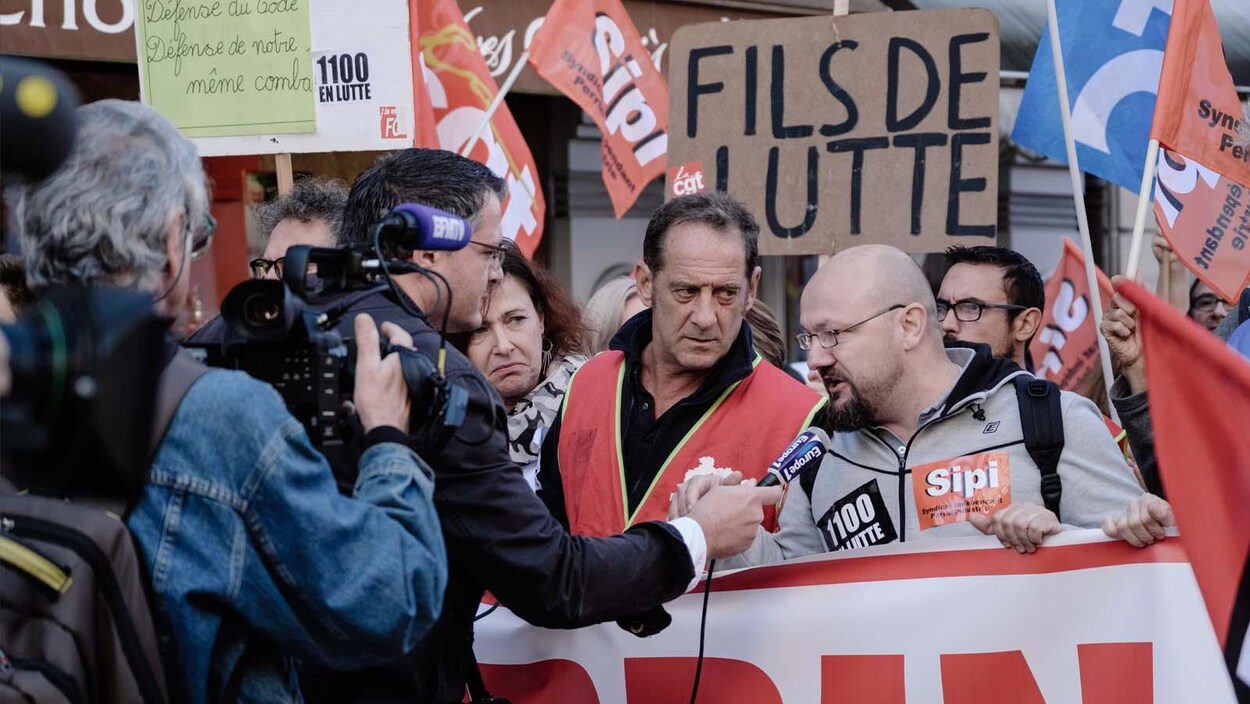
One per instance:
(500, 536)
(254, 557)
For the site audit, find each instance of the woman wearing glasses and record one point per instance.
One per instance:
(529, 345)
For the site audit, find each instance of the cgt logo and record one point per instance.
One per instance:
(687, 179)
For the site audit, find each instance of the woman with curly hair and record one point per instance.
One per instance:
(529, 345)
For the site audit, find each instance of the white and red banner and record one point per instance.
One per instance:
(962, 621)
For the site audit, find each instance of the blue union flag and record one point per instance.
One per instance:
(1113, 54)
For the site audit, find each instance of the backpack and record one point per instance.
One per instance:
(75, 622)
(1041, 419)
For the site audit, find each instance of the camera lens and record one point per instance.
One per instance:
(262, 311)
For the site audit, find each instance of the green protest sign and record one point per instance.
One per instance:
(227, 67)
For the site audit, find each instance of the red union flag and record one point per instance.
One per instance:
(591, 52)
(1196, 383)
(1201, 198)
(1065, 349)
(452, 89)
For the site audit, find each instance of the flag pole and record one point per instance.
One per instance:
(517, 68)
(1078, 194)
(1143, 207)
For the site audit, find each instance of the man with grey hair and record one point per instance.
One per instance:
(255, 558)
(929, 439)
(311, 214)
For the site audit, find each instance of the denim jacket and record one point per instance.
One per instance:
(255, 558)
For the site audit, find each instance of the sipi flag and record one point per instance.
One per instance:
(591, 52)
(1202, 201)
(1195, 384)
(1065, 349)
(452, 90)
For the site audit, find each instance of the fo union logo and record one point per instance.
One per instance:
(687, 179)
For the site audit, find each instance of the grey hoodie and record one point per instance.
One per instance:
(968, 451)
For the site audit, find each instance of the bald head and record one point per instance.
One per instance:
(888, 348)
(867, 276)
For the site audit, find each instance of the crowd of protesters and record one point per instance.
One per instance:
(606, 453)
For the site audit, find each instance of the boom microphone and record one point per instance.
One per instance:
(807, 450)
(412, 226)
(37, 121)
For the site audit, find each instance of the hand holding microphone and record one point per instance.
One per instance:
(730, 509)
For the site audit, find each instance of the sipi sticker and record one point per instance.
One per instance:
(951, 490)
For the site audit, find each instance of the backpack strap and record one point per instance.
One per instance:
(1041, 418)
(807, 480)
(176, 379)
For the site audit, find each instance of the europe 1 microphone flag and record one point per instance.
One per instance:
(807, 450)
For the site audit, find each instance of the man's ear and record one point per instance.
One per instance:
(1026, 324)
(428, 258)
(753, 287)
(175, 243)
(646, 282)
(914, 323)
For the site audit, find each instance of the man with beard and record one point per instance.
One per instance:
(929, 442)
(994, 296)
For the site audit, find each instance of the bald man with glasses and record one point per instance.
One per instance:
(927, 438)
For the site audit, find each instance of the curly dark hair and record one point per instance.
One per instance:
(562, 319)
(310, 199)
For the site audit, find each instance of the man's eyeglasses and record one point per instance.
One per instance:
(202, 238)
(496, 251)
(969, 310)
(1206, 303)
(261, 267)
(829, 338)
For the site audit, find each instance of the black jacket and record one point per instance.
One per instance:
(647, 441)
(501, 538)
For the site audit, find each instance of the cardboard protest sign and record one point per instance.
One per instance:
(355, 70)
(227, 68)
(879, 127)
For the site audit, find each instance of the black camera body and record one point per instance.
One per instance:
(283, 333)
(85, 366)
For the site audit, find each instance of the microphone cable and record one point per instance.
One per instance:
(698, 668)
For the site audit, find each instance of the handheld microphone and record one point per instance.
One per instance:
(807, 450)
(412, 227)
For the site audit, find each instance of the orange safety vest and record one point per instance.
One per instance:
(745, 429)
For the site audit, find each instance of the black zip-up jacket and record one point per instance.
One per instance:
(501, 538)
(647, 441)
